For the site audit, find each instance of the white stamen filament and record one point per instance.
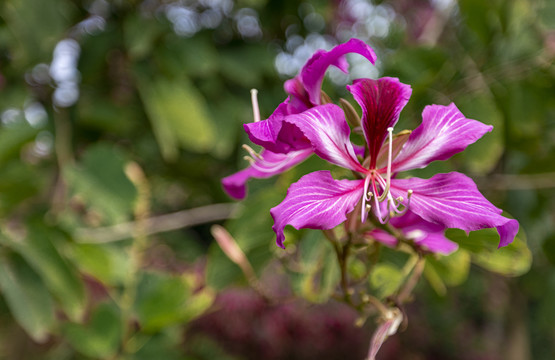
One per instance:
(366, 196)
(389, 155)
(254, 164)
(251, 152)
(255, 109)
(374, 180)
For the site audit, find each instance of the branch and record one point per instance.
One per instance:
(157, 224)
(517, 182)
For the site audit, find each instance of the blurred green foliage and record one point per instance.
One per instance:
(143, 118)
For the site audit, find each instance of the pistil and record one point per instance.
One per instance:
(255, 109)
(375, 179)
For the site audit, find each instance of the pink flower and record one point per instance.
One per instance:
(285, 146)
(452, 200)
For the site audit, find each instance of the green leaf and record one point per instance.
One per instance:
(252, 229)
(100, 181)
(38, 248)
(27, 297)
(19, 182)
(140, 34)
(178, 114)
(512, 260)
(108, 263)
(164, 300)
(452, 269)
(100, 337)
(164, 345)
(482, 108)
(12, 139)
(33, 44)
(319, 273)
(386, 279)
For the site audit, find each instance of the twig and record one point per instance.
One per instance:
(157, 224)
(517, 182)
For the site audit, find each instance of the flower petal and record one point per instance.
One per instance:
(274, 135)
(316, 201)
(328, 132)
(271, 164)
(381, 101)
(453, 200)
(305, 87)
(437, 243)
(444, 132)
(425, 234)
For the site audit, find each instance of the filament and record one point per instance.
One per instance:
(255, 109)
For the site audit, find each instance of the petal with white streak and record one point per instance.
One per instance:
(444, 132)
(271, 164)
(454, 201)
(316, 201)
(275, 135)
(328, 132)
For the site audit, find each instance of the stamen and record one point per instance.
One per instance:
(255, 109)
(251, 152)
(389, 156)
(377, 201)
(409, 194)
(249, 159)
(366, 196)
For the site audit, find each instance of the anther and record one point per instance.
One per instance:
(255, 109)
(251, 152)
(368, 207)
(249, 159)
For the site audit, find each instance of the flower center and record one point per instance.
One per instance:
(375, 183)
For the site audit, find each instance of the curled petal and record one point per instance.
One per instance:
(305, 87)
(381, 101)
(437, 243)
(275, 135)
(328, 132)
(453, 200)
(271, 164)
(425, 234)
(316, 201)
(444, 132)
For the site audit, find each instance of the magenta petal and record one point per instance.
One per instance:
(305, 88)
(274, 135)
(381, 101)
(425, 234)
(272, 164)
(328, 132)
(444, 132)
(316, 201)
(383, 237)
(453, 200)
(437, 243)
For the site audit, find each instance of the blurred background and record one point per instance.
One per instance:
(119, 118)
